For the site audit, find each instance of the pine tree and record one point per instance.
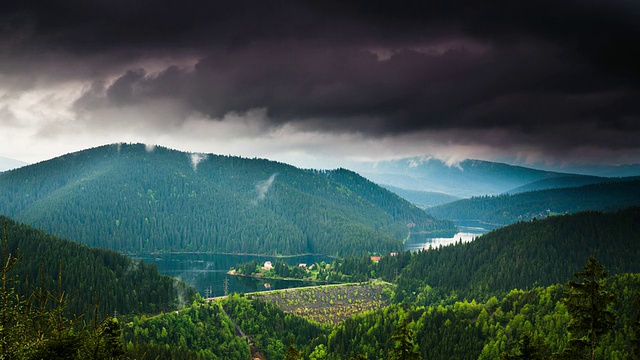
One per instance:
(403, 347)
(527, 349)
(292, 353)
(588, 304)
(634, 325)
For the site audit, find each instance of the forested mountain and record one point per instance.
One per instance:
(121, 285)
(564, 182)
(519, 256)
(423, 199)
(507, 209)
(133, 198)
(465, 179)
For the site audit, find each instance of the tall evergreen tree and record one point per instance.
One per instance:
(527, 349)
(635, 328)
(292, 353)
(589, 305)
(403, 347)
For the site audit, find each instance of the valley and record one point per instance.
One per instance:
(175, 224)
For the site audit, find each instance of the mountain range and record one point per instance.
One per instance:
(136, 198)
(465, 179)
(9, 164)
(505, 209)
(468, 178)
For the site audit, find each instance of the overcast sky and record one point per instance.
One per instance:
(318, 83)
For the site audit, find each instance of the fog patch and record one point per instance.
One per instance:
(196, 159)
(178, 286)
(454, 162)
(263, 187)
(149, 148)
(415, 162)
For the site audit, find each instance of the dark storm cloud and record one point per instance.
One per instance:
(554, 75)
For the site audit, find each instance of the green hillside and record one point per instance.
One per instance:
(122, 285)
(508, 209)
(492, 329)
(523, 255)
(132, 198)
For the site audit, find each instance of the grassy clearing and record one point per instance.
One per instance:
(330, 304)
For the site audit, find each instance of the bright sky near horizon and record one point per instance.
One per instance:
(318, 84)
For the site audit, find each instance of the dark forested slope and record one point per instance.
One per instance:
(508, 209)
(523, 255)
(122, 285)
(135, 199)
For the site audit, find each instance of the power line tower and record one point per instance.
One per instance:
(226, 286)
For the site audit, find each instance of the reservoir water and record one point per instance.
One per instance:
(467, 231)
(208, 272)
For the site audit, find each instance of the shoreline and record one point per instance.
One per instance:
(280, 256)
(234, 273)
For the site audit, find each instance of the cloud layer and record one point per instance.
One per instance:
(540, 81)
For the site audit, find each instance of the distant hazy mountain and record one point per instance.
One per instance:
(9, 164)
(423, 199)
(596, 170)
(466, 179)
(507, 209)
(562, 182)
(134, 198)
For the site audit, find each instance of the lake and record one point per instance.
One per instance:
(207, 272)
(467, 231)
